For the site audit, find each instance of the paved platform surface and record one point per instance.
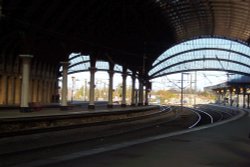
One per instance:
(15, 113)
(227, 145)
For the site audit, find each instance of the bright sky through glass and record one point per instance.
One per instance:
(211, 54)
(203, 54)
(204, 79)
(101, 79)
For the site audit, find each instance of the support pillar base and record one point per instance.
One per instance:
(132, 105)
(123, 105)
(25, 109)
(146, 104)
(110, 106)
(91, 106)
(140, 104)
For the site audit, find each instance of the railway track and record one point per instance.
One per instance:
(170, 120)
(208, 114)
(56, 123)
(87, 132)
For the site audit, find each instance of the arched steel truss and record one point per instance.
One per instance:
(185, 67)
(194, 18)
(81, 63)
(223, 55)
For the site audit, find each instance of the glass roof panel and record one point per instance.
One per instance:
(102, 65)
(80, 67)
(78, 63)
(204, 65)
(118, 68)
(223, 53)
(200, 43)
(72, 55)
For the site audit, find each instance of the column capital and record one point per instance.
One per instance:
(124, 75)
(111, 72)
(92, 69)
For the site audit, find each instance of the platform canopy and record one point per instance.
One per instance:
(126, 32)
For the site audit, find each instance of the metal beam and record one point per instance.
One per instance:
(198, 69)
(202, 59)
(199, 49)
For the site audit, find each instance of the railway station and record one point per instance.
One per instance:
(44, 44)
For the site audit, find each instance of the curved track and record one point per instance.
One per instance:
(211, 113)
(107, 135)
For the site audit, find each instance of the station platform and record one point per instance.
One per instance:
(13, 112)
(226, 145)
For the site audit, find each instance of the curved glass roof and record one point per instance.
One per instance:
(102, 65)
(80, 67)
(203, 54)
(78, 63)
(81, 63)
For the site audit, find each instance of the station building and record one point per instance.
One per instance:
(235, 92)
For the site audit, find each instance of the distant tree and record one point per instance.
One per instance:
(164, 95)
(78, 93)
(103, 92)
(207, 94)
(118, 90)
